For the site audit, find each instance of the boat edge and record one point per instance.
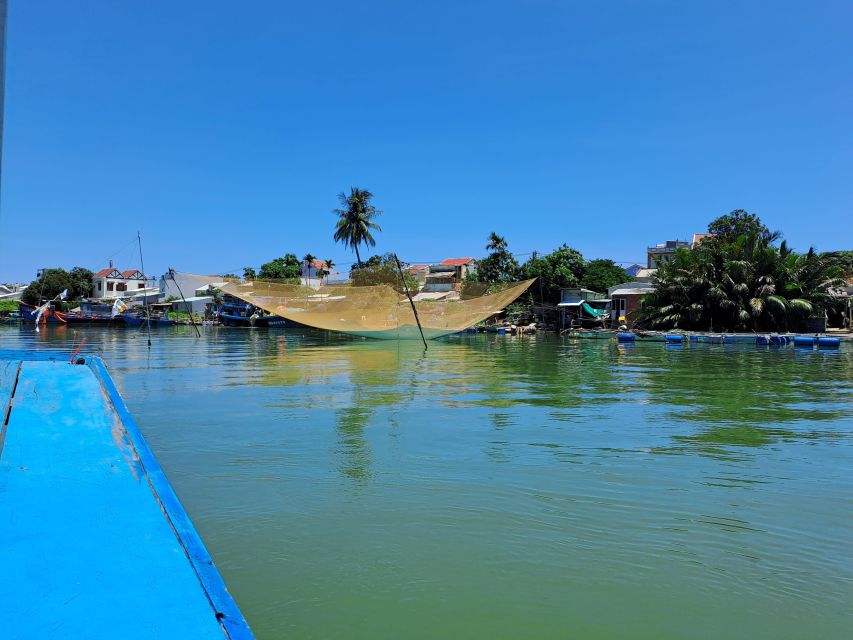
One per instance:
(228, 614)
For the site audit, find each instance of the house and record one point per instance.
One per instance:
(175, 285)
(448, 274)
(194, 304)
(579, 306)
(662, 252)
(633, 269)
(461, 266)
(645, 275)
(626, 301)
(112, 283)
(418, 272)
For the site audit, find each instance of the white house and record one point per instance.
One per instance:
(112, 283)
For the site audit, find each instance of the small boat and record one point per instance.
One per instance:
(29, 312)
(230, 320)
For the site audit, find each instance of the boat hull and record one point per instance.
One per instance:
(259, 323)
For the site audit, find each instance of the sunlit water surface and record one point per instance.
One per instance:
(497, 487)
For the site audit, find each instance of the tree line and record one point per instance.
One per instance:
(745, 278)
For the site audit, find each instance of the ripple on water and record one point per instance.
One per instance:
(509, 487)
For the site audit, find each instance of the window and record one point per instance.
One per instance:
(110, 285)
(121, 286)
(100, 286)
(141, 285)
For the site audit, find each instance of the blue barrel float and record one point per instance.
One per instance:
(804, 341)
(626, 337)
(828, 343)
(674, 339)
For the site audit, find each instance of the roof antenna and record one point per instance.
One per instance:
(412, 302)
(144, 286)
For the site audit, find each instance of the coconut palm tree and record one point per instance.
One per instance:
(496, 243)
(308, 259)
(329, 265)
(355, 220)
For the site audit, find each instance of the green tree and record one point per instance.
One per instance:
(77, 282)
(499, 265)
(308, 260)
(249, 273)
(741, 283)
(383, 270)
(563, 267)
(601, 274)
(287, 267)
(356, 220)
(740, 223)
(329, 265)
(81, 283)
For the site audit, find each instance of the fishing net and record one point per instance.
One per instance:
(377, 311)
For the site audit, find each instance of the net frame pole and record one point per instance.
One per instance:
(192, 320)
(411, 302)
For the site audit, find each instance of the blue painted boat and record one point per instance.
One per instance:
(28, 314)
(230, 320)
(94, 543)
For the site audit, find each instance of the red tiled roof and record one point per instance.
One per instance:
(131, 273)
(319, 264)
(456, 262)
(103, 272)
(418, 266)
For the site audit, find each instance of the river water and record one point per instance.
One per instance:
(500, 487)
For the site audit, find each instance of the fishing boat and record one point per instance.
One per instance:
(29, 312)
(230, 320)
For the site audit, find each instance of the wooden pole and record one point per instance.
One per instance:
(411, 302)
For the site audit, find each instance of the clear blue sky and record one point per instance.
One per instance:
(224, 130)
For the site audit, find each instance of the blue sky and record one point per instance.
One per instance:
(224, 130)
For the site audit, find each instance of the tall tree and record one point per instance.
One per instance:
(356, 220)
(287, 267)
(563, 267)
(739, 223)
(329, 265)
(499, 265)
(308, 259)
(600, 274)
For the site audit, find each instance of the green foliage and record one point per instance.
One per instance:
(741, 223)
(7, 307)
(287, 267)
(842, 259)
(383, 270)
(563, 267)
(355, 220)
(499, 265)
(601, 274)
(78, 281)
(249, 273)
(741, 283)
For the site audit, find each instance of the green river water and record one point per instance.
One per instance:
(500, 487)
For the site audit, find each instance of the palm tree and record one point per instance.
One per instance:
(308, 259)
(329, 265)
(496, 243)
(355, 220)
